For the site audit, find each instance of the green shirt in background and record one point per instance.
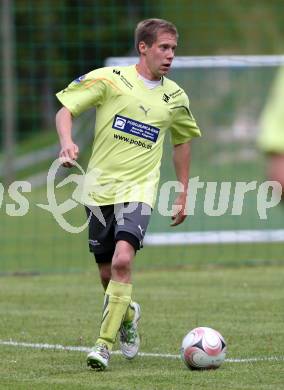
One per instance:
(271, 138)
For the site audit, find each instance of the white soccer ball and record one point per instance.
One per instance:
(203, 348)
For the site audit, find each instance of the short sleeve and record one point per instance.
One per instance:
(184, 126)
(271, 137)
(84, 93)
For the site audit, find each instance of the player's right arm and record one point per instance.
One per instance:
(69, 150)
(84, 93)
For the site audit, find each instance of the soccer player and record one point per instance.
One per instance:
(271, 138)
(135, 107)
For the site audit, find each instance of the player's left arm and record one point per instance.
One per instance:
(181, 160)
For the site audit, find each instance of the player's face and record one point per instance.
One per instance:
(160, 55)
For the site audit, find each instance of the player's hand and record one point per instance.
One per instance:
(69, 152)
(179, 212)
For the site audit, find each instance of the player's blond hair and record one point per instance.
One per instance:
(147, 31)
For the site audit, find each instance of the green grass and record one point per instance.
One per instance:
(244, 303)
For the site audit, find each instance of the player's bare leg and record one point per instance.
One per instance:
(105, 273)
(122, 262)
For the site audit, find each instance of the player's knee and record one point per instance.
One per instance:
(122, 261)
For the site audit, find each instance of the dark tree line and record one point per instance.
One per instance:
(56, 41)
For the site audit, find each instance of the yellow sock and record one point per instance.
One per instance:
(129, 315)
(117, 299)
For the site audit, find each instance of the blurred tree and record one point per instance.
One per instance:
(227, 26)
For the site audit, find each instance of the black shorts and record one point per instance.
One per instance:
(111, 223)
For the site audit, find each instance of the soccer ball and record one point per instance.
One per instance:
(203, 348)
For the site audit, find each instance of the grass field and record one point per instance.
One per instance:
(244, 302)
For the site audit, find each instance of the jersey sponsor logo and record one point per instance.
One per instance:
(122, 78)
(126, 82)
(176, 93)
(79, 79)
(119, 123)
(133, 127)
(166, 98)
(132, 141)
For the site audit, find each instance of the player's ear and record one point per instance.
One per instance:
(142, 47)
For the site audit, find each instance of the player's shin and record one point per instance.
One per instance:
(116, 303)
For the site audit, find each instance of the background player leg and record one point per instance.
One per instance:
(276, 169)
